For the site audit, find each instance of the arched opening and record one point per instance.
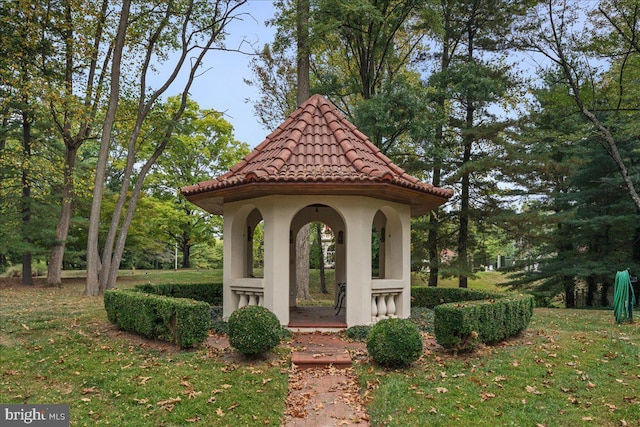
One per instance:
(378, 246)
(254, 252)
(327, 255)
(388, 231)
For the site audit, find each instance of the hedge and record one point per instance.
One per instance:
(208, 292)
(431, 297)
(463, 317)
(182, 321)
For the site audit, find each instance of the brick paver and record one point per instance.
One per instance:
(326, 395)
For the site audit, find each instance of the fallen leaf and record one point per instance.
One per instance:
(441, 390)
(193, 420)
(611, 406)
(486, 396)
(433, 410)
(219, 412)
(531, 389)
(590, 385)
(170, 401)
(587, 418)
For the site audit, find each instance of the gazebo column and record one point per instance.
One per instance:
(276, 262)
(357, 241)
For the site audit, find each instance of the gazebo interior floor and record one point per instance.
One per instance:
(316, 317)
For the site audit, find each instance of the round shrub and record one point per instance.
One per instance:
(394, 343)
(253, 330)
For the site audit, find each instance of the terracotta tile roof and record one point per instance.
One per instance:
(315, 144)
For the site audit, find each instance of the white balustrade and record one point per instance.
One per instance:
(383, 305)
(246, 297)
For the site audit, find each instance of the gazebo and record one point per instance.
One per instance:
(317, 166)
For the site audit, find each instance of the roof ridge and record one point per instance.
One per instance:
(336, 125)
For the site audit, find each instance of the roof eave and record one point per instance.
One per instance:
(421, 202)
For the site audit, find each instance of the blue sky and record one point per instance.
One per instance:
(222, 86)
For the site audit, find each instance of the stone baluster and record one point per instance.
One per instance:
(252, 299)
(374, 309)
(391, 305)
(382, 307)
(244, 300)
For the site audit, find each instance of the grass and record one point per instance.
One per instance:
(57, 347)
(570, 368)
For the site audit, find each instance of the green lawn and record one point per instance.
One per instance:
(57, 347)
(570, 368)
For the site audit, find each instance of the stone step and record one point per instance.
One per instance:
(310, 359)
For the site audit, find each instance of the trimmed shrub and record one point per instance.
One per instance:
(184, 322)
(208, 292)
(463, 317)
(430, 297)
(394, 343)
(253, 330)
(459, 326)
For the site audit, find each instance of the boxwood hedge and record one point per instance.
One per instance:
(463, 317)
(208, 292)
(182, 321)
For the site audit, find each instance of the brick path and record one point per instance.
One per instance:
(321, 395)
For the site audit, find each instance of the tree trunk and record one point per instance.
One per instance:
(569, 292)
(302, 239)
(302, 35)
(56, 256)
(434, 222)
(592, 286)
(604, 300)
(26, 199)
(93, 286)
(302, 263)
(463, 236)
(186, 250)
(323, 281)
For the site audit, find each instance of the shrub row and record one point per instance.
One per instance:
(210, 293)
(464, 317)
(182, 321)
(431, 297)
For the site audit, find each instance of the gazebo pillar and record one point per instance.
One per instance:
(358, 220)
(276, 261)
